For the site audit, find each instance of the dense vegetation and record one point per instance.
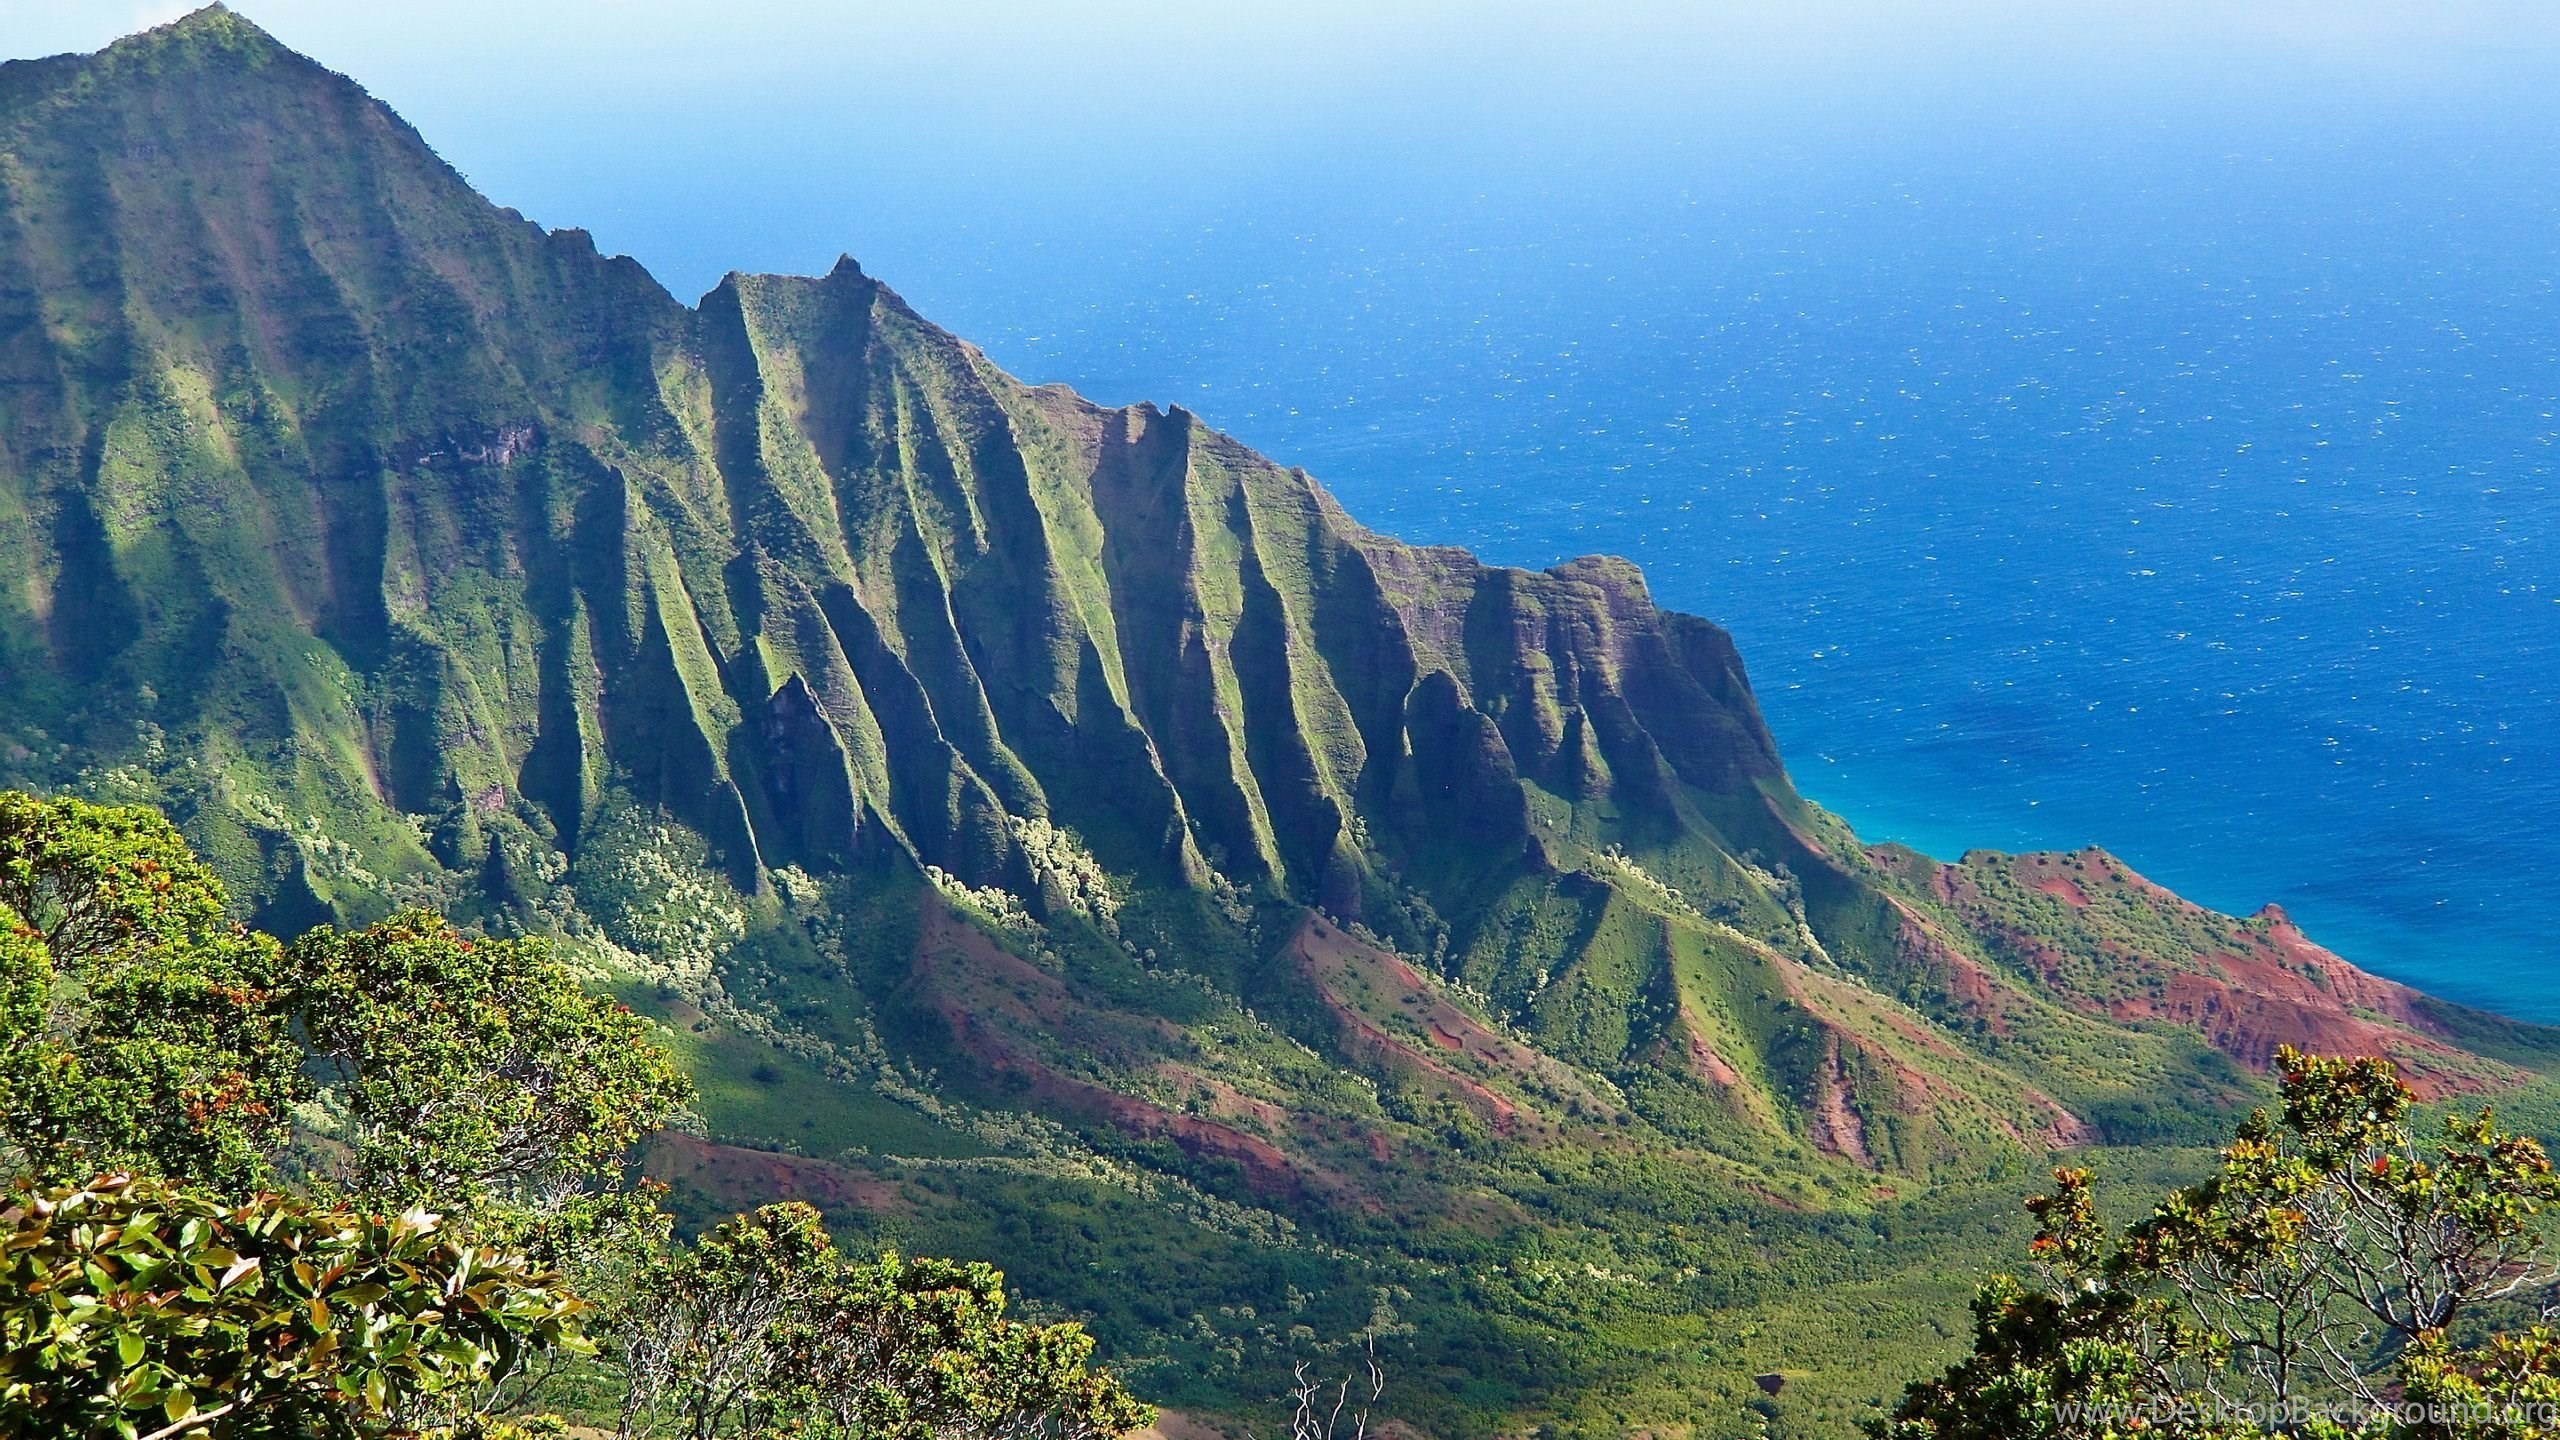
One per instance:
(455, 1114)
(2339, 1276)
(1041, 834)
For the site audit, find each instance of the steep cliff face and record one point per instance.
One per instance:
(791, 564)
(1026, 776)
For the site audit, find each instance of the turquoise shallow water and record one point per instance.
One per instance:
(2200, 505)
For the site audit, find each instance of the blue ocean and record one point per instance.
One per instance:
(2201, 507)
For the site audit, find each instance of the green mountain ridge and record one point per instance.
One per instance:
(1049, 830)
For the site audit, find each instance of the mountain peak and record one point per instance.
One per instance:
(215, 27)
(214, 40)
(194, 37)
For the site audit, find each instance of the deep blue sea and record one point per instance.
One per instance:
(2194, 502)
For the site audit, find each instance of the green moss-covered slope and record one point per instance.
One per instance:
(1058, 832)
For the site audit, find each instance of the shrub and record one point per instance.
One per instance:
(140, 1308)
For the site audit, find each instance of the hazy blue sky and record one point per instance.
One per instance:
(771, 134)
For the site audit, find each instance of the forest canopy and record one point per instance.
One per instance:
(2346, 1273)
(375, 1182)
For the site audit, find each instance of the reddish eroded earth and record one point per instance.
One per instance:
(2248, 988)
(2065, 889)
(1704, 1059)
(1967, 986)
(1331, 958)
(741, 1178)
(1916, 1090)
(1348, 971)
(998, 1007)
(2288, 991)
(1834, 1126)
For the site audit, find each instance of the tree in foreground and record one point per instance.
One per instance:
(2326, 1281)
(139, 1025)
(141, 1028)
(471, 1073)
(763, 1328)
(460, 1113)
(142, 1310)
